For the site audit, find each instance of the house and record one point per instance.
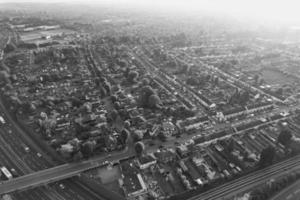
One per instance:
(134, 185)
(182, 150)
(146, 161)
(132, 182)
(168, 128)
(165, 156)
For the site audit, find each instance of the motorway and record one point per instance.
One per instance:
(290, 193)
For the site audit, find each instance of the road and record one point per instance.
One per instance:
(290, 193)
(55, 174)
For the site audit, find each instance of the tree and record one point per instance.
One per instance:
(4, 77)
(137, 135)
(9, 48)
(124, 136)
(216, 81)
(267, 156)
(154, 101)
(88, 148)
(284, 137)
(279, 91)
(139, 148)
(102, 91)
(77, 156)
(123, 63)
(256, 77)
(113, 98)
(230, 146)
(162, 136)
(107, 87)
(132, 76)
(113, 115)
(145, 81)
(76, 102)
(192, 81)
(244, 97)
(146, 92)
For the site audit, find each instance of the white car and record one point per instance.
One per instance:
(62, 186)
(2, 120)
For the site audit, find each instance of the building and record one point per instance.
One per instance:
(238, 111)
(132, 182)
(146, 161)
(133, 185)
(165, 156)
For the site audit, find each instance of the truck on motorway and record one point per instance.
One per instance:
(6, 173)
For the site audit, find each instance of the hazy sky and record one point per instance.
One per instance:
(282, 10)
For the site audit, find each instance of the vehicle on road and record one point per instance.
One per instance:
(2, 120)
(26, 148)
(6, 173)
(14, 172)
(62, 186)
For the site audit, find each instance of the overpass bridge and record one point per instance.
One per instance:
(54, 174)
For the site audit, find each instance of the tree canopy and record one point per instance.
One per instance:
(285, 137)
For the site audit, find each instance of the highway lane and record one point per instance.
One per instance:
(7, 153)
(290, 193)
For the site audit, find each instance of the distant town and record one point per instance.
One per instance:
(138, 108)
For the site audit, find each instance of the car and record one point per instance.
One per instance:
(62, 186)
(14, 172)
(151, 144)
(2, 120)
(26, 148)
(39, 155)
(105, 163)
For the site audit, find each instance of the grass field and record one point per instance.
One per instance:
(36, 35)
(273, 77)
(108, 175)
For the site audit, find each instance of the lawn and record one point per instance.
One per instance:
(272, 77)
(107, 174)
